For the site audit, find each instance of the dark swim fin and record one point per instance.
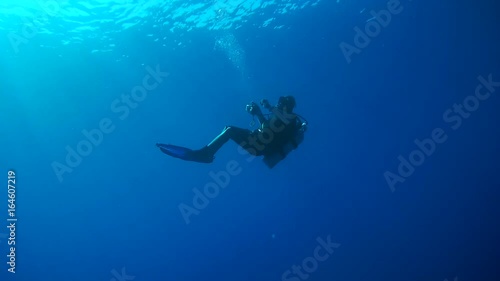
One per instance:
(186, 154)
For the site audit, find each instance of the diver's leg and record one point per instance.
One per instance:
(247, 139)
(244, 138)
(218, 141)
(236, 134)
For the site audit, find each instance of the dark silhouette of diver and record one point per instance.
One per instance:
(278, 134)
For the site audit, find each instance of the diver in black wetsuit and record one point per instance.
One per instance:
(276, 136)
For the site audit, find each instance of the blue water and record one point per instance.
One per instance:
(112, 211)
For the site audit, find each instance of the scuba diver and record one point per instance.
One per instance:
(278, 134)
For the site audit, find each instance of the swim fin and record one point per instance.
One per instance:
(186, 154)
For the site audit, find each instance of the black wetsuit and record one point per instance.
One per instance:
(268, 139)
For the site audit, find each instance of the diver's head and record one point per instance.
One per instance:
(286, 103)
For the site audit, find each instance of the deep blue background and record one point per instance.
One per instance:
(119, 208)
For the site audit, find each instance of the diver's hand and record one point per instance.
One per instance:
(253, 108)
(265, 103)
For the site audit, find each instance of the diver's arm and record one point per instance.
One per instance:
(261, 117)
(265, 103)
(254, 109)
